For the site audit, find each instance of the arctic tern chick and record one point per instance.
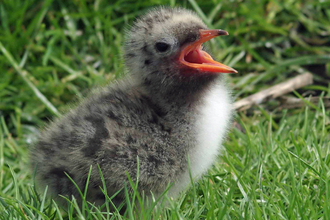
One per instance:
(172, 105)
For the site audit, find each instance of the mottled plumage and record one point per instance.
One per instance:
(161, 112)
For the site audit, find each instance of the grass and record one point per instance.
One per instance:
(276, 163)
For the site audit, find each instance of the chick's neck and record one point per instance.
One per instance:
(177, 90)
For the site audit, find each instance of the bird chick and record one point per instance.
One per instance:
(172, 106)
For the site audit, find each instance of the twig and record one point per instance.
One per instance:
(274, 91)
(292, 102)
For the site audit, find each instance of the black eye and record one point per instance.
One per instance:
(162, 47)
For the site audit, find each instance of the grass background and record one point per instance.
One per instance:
(276, 162)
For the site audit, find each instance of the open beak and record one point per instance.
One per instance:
(193, 56)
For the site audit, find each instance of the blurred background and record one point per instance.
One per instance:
(53, 52)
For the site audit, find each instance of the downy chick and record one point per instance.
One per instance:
(172, 105)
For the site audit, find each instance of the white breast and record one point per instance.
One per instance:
(211, 127)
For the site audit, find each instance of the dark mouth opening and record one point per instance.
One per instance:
(193, 57)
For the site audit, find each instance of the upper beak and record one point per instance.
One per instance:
(193, 56)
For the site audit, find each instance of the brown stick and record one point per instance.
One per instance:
(292, 102)
(274, 91)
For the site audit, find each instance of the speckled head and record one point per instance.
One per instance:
(168, 41)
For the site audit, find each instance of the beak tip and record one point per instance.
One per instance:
(232, 70)
(222, 32)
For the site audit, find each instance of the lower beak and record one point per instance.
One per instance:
(193, 56)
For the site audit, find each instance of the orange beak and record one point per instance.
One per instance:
(193, 56)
